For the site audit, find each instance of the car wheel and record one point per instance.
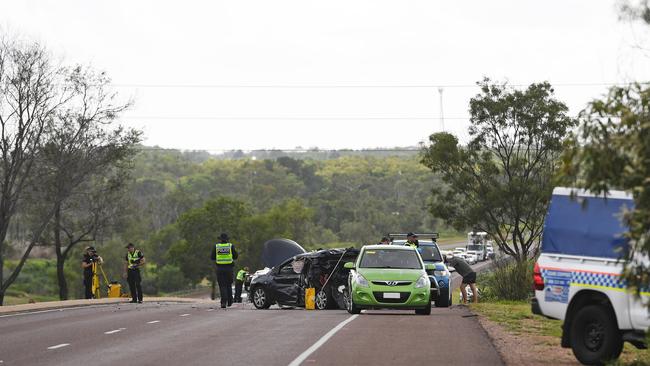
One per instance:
(322, 300)
(261, 298)
(595, 337)
(444, 300)
(352, 308)
(425, 311)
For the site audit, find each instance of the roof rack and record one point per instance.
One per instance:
(433, 236)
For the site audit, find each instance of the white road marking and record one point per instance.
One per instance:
(184, 314)
(210, 309)
(303, 356)
(114, 331)
(59, 346)
(153, 322)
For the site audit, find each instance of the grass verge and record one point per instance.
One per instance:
(516, 317)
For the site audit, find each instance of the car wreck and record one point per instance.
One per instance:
(285, 283)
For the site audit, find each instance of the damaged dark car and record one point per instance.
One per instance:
(285, 284)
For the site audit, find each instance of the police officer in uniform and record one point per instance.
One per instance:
(134, 260)
(239, 282)
(412, 240)
(224, 255)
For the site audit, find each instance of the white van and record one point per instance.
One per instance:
(577, 277)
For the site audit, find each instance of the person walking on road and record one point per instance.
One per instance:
(224, 255)
(134, 260)
(239, 283)
(468, 274)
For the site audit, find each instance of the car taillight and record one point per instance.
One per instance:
(538, 280)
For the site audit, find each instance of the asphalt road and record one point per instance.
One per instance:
(203, 334)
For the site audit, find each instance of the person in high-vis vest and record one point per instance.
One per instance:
(412, 240)
(134, 260)
(224, 255)
(239, 283)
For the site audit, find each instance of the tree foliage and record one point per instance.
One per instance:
(501, 182)
(611, 150)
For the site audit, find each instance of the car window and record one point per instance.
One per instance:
(474, 247)
(287, 269)
(390, 258)
(430, 253)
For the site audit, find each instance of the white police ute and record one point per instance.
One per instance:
(578, 276)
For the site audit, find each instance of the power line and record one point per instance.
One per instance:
(345, 86)
(275, 118)
(251, 151)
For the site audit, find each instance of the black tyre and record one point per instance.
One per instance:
(425, 311)
(444, 300)
(595, 337)
(351, 307)
(261, 298)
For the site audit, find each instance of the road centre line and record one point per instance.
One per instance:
(153, 322)
(303, 356)
(114, 331)
(184, 314)
(59, 346)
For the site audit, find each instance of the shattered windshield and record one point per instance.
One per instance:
(390, 258)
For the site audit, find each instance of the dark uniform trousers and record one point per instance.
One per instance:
(135, 280)
(88, 285)
(224, 278)
(238, 287)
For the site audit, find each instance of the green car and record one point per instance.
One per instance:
(389, 276)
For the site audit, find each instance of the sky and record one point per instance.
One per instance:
(285, 74)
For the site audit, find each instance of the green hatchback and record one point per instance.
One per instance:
(389, 276)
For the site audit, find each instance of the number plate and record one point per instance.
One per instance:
(391, 295)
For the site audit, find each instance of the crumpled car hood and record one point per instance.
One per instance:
(276, 251)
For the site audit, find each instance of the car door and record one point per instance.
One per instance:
(285, 284)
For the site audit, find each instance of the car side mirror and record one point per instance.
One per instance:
(430, 267)
(348, 265)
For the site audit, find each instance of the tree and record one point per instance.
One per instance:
(86, 166)
(501, 182)
(611, 150)
(31, 91)
(200, 229)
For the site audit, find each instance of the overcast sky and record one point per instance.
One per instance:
(191, 65)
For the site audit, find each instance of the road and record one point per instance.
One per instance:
(203, 334)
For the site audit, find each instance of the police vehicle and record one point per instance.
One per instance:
(577, 277)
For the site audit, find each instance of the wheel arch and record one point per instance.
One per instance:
(580, 300)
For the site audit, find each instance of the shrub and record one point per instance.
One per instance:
(171, 278)
(509, 280)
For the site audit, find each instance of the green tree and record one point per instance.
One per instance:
(85, 166)
(32, 89)
(611, 150)
(501, 182)
(200, 229)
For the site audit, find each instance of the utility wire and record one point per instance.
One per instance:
(347, 86)
(201, 118)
